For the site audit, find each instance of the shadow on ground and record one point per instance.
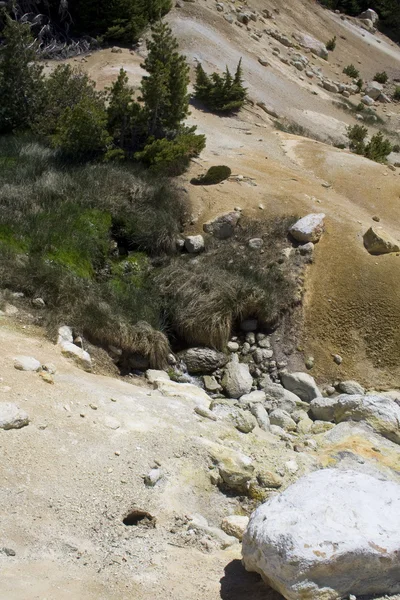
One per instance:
(238, 584)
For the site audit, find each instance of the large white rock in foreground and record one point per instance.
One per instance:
(331, 534)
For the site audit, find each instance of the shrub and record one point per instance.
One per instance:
(357, 135)
(381, 77)
(82, 130)
(351, 71)
(224, 93)
(331, 44)
(203, 301)
(214, 175)
(378, 148)
(396, 94)
(171, 157)
(396, 148)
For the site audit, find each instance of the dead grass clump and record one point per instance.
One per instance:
(207, 297)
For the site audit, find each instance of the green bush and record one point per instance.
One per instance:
(171, 157)
(396, 148)
(81, 131)
(351, 71)
(357, 135)
(378, 148)
(224, 93)
(213, 176)
(331, 44)
(396, 94)
(381, 77)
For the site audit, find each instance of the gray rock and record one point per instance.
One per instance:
(373, 89)
(263, 61)
(153, 477)
(202, 360)
(12, 417)
(205, 412)
(235, 525)
(282, 419)
(309, 228)
(261, 415)
(233, 346)
(228, 17)
(371, 15)
(367, 100)
(330, 87)
(325, 536)
(236, 471)
(301, 384)
(278, 396)
(153, 375)
(237, 380)
(27, 363)
(384, 98)
(194, 244)
(223, 227)
(306, 249)
(256, 397)
(199, 524)
(256, 243)
(244, 421)
(350, 387)
(315, 46)
(269, 479)
(377, 241)
(38, 303)
(211, 384)
(80, 356)
(323, 409)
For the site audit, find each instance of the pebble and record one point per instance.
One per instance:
(117, 453)
(8, 551)
(93, 406)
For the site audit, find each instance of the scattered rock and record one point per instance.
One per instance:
(81, 357)
(205, 412)
(282, 419)
(263, 61)
(338, 525)
(367, 100)
(256, 243)
(233, 346)
(223, 227)
(8, 551)
(269, 479)
(194, 244)
(199, 524)
(12, 417)
(26, 363)
(315, 46)
(321, 427)
(202, 360)
(153, 477)
(309, 228)
(337, 359)
(153, 375)
(377, 241)
(350, 387)
(371, 15)
(330, 87)
(301, 384)
(38, 303)
(186, 391)
(237, 380)
(235, 525)
(235, 469)
(244, 421)
(323, 409)
(211, 384)
(261, 415)
(116, 50)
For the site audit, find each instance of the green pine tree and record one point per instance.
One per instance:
(21, 81)
(124, 115)
(202, 86)
(164, 89)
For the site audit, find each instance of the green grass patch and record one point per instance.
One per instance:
(213, 176)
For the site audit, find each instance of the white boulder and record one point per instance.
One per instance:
(309, 228)
(380, 412)
(331, 534)
(301, 384)
(315, 46)
(12, 417)
(80, 356)
(27, 363)
(237, 380)
(373, 89)
(194, 244)
(371, 15)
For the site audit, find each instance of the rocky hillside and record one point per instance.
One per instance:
(266, 466)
